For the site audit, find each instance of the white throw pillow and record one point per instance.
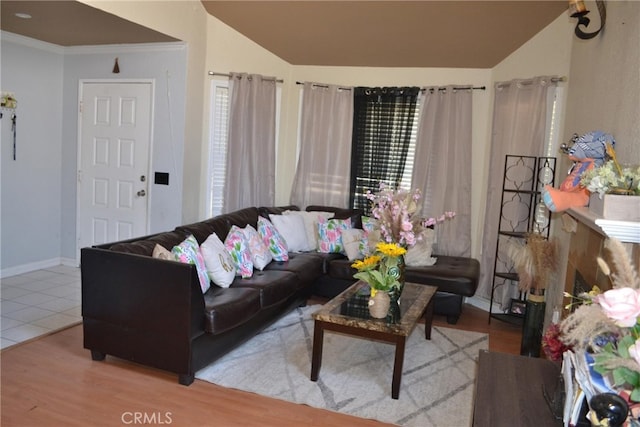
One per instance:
(260, 254)
(291, 228)
(419, 255)
(219, 264)
(311, 224)
(352, 242)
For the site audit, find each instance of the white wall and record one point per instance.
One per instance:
(605, 80)
(39, 190)
(30, 186)
(185, 20)
(165, 64)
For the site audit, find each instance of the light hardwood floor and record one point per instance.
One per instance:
(52, 381)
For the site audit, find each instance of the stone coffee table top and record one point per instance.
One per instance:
(350, 308)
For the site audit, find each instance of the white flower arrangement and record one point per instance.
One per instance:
(611, 178)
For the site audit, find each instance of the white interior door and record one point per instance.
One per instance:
(115, 136)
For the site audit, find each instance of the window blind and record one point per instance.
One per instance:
(384, 133)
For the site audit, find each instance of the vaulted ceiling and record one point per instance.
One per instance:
(456, 34)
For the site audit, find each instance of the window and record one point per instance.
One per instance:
(218, 139)
(384, 135)
(218, 134)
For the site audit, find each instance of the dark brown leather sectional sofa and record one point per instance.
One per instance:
(153, 311)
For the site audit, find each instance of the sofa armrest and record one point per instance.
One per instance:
(137, 292)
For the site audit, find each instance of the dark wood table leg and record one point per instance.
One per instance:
(397, 367)
(428, 320)
(316, 354)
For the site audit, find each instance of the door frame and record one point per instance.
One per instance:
(81, 84)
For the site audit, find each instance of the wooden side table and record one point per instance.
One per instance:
(509, 391)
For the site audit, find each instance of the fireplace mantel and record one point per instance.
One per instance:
(625, 231)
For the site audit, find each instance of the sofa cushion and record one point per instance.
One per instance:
(265, 211)
(274, 286)
(341, 213)
(228, 308)
(203, 229)
(456, 275)
(307, 266)
(218, 261)
(146, 245)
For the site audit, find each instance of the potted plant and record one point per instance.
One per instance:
(610, 185)
(381, 272)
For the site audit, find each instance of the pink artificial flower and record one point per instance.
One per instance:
(621, 305)
(430, 222)
(406, 225)
(634, 351)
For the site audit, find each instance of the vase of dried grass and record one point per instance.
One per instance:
(532, 326)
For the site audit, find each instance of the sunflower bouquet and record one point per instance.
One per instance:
(381, 270)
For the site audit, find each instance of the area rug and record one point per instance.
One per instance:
(355, 378)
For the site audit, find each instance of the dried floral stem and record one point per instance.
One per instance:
(625, 275)
(535, 261)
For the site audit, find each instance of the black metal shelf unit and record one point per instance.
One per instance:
(522, 211)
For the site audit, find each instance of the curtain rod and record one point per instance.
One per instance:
(213, 73)
(422, 89)
(324, 86)
(530, 81)
(455, 88)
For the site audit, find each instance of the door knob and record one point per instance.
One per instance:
(141, 193)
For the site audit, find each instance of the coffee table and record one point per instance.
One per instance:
(348, 313)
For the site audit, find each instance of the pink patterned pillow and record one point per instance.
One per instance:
(188, 252)
(330, 234)
(274, 241)
(237, 246)
(260, 254)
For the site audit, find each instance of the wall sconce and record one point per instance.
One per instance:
(577, 9)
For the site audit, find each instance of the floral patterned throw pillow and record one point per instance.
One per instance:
(274, 241)
(236, 244)
(330, 234)
(188, 252)
(260, 254)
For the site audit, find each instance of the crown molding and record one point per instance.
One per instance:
(125, 48)
(32, 43)
(92, 49)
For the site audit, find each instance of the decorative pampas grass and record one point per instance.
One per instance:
(585, 327)
(535, 261)
(625, 275)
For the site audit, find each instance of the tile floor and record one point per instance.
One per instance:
(39, 302)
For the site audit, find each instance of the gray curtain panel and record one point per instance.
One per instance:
(251, 152)
(519, 128)
(442, 169)
(323, 170)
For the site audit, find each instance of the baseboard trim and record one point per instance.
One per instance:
(481, 303)
(38, 265)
